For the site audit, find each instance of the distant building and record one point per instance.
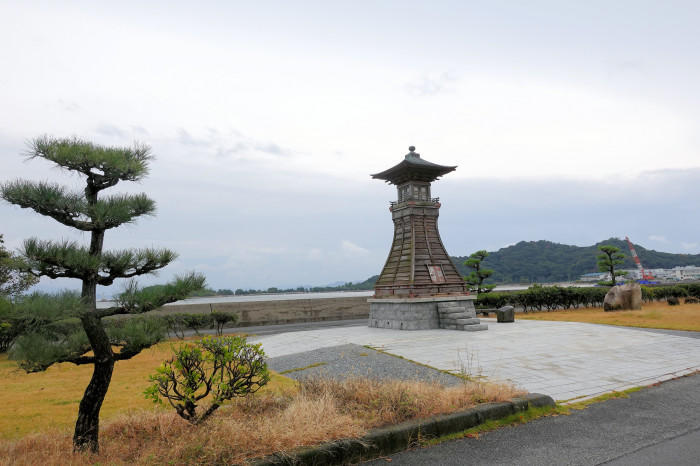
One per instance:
(685, 273)
(593, 277)
(688, 272)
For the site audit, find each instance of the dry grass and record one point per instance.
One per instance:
(319, 411)
(27, 398)
(652, 315)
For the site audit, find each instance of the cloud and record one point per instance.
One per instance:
(659, 238)
(353, 249)
(187, 139)
(430, 85)
(689, 245)
(232, 143)
(315, 254)
(237, 148)
(270, 148)
(139, 130)
(117, 132)
(68, 106)
(111, 131)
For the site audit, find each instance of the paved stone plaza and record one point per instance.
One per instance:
(566, 360)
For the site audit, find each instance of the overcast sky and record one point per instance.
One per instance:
(569, 121)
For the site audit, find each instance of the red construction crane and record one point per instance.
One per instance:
(644, 275)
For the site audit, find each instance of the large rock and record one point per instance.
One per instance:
(623, 297)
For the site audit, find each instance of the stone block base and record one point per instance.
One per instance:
(449, 312)
(403, 314)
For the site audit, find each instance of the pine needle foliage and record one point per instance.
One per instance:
(68, 327)
(477, 276)
(13, 280)
(608, 261)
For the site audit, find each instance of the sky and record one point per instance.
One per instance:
(569, 121)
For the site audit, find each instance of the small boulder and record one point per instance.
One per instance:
(623, 298)
(505, 314)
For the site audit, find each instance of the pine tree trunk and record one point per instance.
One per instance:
(87, 427)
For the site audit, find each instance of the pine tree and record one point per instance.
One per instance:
(608, 261)
(478, 275)
(13, 281)
(88, 211)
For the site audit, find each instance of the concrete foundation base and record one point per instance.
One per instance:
(451, 312)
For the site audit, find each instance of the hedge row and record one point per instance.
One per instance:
(13, 325)
(177, 324)
(555, 297)
(651, 293)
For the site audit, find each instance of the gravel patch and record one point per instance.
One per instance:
(351, 360)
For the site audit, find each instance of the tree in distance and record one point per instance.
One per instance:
(87, 211)
(476, 278)
(13, 281)
(217, 369)
(221, 319)
(608, 260)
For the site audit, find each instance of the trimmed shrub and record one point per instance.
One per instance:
(214, 370)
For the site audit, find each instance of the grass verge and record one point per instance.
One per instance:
(652, 315)
(313, 412)
(489, 426)
(49, 400)
(298, 369)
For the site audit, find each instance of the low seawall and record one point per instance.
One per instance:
(281, 312)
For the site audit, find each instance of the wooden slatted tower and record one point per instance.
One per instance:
(418, 264)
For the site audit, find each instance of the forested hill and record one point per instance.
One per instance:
(545, 261)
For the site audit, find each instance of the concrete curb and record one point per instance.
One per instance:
(392, 439)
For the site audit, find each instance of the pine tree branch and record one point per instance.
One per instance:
(104, 166)
(117, 210)
(67, 259)
(111, 311)
(72, 209)
(79, 360)
(127, 354)
(135, 300)
(49, 199)
(40, 366)
(64, 259)
(131, 263)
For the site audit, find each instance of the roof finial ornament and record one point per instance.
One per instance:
(412, 148)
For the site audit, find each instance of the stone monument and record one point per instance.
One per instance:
(419, 286)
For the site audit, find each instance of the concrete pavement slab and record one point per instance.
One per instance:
(562, 359)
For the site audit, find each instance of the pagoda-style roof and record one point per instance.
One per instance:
(413, 168)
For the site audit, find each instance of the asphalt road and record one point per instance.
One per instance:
(656, 426)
